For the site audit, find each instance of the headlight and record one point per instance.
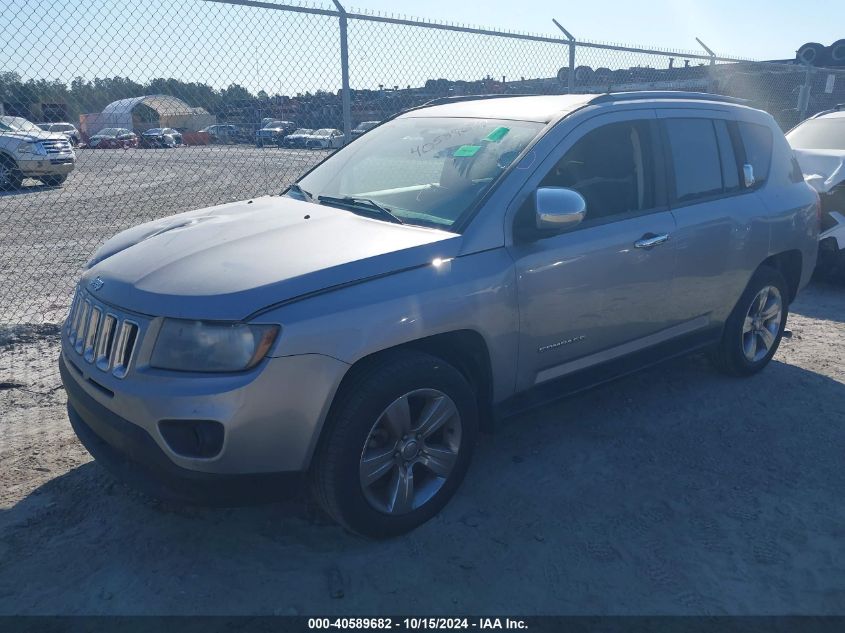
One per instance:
(32, 148)
(211, 347)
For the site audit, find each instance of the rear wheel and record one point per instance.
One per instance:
(10, 177)
(54, 181)
(397, 444)
(754, 329)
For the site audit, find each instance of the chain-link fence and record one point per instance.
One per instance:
(243, 96)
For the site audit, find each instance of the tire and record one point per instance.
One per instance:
(54, 181)
(361, 435)
(10, 178)
(745, 348)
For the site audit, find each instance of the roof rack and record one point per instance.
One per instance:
(664, 94)
(459, 98)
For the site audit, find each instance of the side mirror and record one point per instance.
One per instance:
(558, 208)
(748, 175)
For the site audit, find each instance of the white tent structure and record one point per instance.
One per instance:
(171, 111)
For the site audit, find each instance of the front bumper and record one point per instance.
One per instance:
(57, 165)
(272, 417)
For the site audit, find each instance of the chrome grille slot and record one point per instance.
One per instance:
(102, 353)
(81, 324)
(101, 337)
(123, 348)
(91, 334)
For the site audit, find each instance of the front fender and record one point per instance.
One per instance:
(472, 292)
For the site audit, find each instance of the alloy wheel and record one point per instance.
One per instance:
(410, 452)
(762, 323)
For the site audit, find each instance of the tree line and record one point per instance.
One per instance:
(83, 96)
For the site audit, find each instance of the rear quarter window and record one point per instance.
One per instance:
(757, 141)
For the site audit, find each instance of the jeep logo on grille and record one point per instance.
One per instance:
(96, 283)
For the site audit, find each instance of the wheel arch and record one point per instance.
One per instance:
(466, 350)
(789, 264)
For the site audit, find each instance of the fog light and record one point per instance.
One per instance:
(193, 438)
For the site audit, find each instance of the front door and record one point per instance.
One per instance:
(601, 289)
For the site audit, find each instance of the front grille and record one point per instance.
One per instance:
(100, 336)
(56, 146)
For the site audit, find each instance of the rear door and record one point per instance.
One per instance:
(716, 216)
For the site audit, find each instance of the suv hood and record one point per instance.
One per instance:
(40, 135)
(226, 262)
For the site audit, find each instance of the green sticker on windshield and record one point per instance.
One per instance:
(467, 150)
(497, 135)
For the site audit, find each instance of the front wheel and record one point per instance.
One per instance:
(397, 444)
(10, 177)
(754, 329)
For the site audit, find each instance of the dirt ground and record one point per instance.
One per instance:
(674, 491)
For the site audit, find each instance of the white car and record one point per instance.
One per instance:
(819, 147)
(27, 151)
(325, 138)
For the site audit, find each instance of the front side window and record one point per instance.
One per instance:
(427, 171)
(611, 167)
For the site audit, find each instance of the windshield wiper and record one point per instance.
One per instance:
(297, 189)
(364, 204)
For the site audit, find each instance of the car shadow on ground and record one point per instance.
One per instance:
(24, 189)
(673, 491)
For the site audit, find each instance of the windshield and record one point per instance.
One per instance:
(109, 131)
(275, 124)
(155, 130)
(323, 132)
(302, 130)
(17, 124)
(426, 171)
(819, 134)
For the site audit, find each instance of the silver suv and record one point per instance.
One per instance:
(27, 151)
(455, 264)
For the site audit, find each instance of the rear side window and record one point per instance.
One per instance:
(695, 156)
(757, 140)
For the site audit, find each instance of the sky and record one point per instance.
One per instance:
(286, 53)
(758, 29)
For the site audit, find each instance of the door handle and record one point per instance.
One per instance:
(649, 240)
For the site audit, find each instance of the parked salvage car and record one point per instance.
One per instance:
(273, 133)
(297, 138)
(68, 129)
(27, 151)
(113, 138)
(161, 137)
(365, 126)
(223, 134)
(364, 325)
(819, 145)
(325, 138)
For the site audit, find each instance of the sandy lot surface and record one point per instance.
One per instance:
(674, 491)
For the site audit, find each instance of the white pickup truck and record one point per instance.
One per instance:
(27, 151)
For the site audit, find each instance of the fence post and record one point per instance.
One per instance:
(346, 96)
(711, 87)
(804, 94)
(570, 80)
